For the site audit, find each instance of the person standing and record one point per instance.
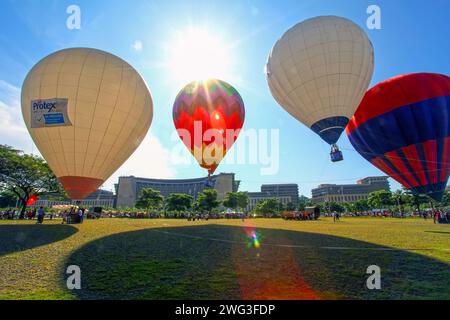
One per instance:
(436, 216)
(40, 215)
(80, 214)
(336, 216)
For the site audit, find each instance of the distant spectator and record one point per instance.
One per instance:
(40, 215)
(335, 216)
(81, 214)
(436, 216)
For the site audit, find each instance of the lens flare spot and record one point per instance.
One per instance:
(253, 237)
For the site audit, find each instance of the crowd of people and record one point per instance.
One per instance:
(78, 214)
(182, 215)
(74, 215)
(439, 216)
(36, 213)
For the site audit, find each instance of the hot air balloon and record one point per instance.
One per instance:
(32, 199)
(318, 71)
(208, 116)
(402, 127)
(87, 111)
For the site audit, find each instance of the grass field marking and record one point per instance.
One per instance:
(300, 246)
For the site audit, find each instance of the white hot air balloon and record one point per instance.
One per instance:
(87, 111)
(318, 71)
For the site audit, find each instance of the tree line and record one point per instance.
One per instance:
(205, 202)
(22, 175)
(400, 201)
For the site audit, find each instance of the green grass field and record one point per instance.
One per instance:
(177, 259)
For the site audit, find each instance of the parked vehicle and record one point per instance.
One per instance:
(95, 213)
(310, 213)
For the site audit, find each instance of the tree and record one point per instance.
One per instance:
(400, 198)
(290, 206)
(416, 200)
(24, 175)
(446, 199)
(207, 200)
(179, 202)
(149, 199)
(231, 201)
(303, 202)
(7, 199)
(268, 207)
(301, 206)
(242, 199)
(334, 206)
(379, 199)
(349, 206)
(361, 205)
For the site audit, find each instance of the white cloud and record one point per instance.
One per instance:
(150, 160)
(13, 131)
(137, 45)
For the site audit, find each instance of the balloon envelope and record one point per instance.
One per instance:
(319, 70)
(403, 128)
(208, 116)
(32, 199)
(87, 111)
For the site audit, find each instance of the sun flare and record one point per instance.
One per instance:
(195, 54)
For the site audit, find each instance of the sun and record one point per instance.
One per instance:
(195, 54)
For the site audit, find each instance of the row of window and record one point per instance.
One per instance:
(340, 198)
(86, 203)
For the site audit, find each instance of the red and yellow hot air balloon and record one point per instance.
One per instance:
(208, 116)
(87, 111)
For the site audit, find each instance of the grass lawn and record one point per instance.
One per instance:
(218, 259)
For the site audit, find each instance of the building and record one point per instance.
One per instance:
(349, 192)
(255, 197)
(129, 188)
(284, 193)
(282, 190)
(99, 198)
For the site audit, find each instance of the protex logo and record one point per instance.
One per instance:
(49, 113)
(44, 105)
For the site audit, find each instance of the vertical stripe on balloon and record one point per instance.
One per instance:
(382, 165)
(398, 163)
(445, 163)
(414, 161)
(430, 158)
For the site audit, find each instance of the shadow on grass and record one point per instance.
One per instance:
(439, 232)
(222, 262)
(15, 238)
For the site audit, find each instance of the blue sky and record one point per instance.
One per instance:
(414, 38)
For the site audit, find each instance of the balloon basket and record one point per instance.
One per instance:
(336, 154)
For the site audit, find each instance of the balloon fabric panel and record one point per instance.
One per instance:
(402, 127)
(205, 105)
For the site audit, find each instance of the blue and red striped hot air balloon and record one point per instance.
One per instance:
(402, 127)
